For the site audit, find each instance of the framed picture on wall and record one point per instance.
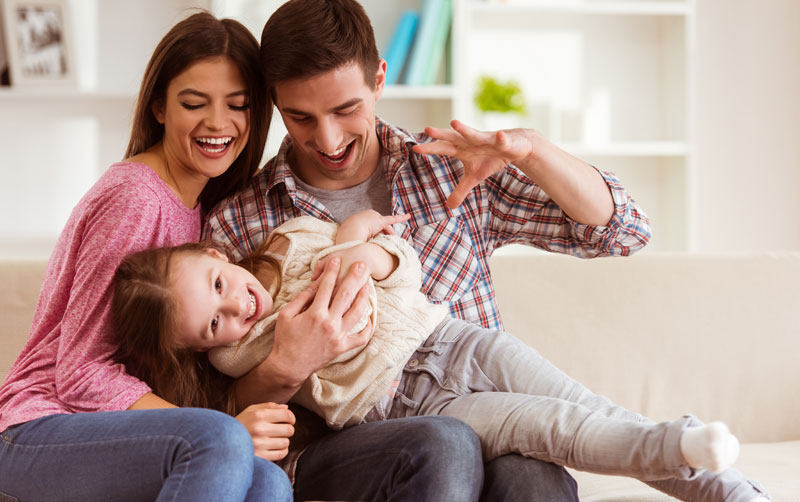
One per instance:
(4, 78)
(37, 42)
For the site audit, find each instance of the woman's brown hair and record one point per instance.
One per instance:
(144, 313)
(199, 37)
(306, 38)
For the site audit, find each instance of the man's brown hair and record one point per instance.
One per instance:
(306, 38)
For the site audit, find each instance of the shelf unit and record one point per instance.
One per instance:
(609, 81)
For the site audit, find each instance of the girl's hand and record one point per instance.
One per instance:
(270, 425)
(379, 262)
(367, 224)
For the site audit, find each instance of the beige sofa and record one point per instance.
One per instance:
(717, 336)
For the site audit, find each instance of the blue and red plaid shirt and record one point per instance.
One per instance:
(453, 245)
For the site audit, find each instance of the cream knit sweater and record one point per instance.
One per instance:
(346, 390)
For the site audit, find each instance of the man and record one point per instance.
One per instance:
(465, 200)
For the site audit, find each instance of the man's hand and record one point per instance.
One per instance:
(270, 425)
(312, 330)
(482, 153)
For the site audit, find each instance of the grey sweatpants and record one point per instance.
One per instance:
(517, 402)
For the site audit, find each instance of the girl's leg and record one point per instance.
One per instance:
(488, 378)
(170, 454)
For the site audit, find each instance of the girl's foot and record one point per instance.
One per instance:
(711, 447)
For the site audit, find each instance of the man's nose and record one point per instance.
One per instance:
(328, 136)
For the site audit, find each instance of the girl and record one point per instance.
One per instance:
(198, 134)
(418, 361)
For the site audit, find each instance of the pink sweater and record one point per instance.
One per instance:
(66, 366)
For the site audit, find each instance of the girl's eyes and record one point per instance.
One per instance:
(218, 285)
(214, 323)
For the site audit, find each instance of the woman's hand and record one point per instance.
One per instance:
(270, 425)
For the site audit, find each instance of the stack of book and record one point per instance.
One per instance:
(416, 50)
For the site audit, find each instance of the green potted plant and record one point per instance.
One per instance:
(501, 103)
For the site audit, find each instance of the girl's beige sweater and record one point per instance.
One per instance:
(347, 389)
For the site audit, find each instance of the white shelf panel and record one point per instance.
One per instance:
(418, 92)
(629, 149)
(63, 94)
(511, 7)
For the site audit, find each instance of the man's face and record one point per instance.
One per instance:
(331, 119)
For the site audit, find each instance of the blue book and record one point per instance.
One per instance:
(430, 38)
(400, 45)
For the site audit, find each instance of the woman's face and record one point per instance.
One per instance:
(218, 302)
(206, 119)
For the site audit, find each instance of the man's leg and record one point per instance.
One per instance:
(514, 478)
(407, 459)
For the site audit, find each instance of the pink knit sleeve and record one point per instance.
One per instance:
(117, 224)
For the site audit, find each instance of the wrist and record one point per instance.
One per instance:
(381, 262)
(282, 374)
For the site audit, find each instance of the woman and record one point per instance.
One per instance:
(198, 134)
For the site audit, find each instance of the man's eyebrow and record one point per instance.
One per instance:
(343, 106)
(195, 92)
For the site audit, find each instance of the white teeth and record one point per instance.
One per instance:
(216, 141)
(252, 306)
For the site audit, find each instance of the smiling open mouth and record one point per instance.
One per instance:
(253, 306)
(214, 145)
(339, 155)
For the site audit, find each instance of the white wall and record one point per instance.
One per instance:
(748, 125)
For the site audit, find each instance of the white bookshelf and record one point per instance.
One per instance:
(609, 81)
(640, 51)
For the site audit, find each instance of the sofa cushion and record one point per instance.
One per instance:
(774, 465)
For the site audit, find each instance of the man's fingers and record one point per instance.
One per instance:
(348, 289)
(327, 282)
(461, 191)
(300, 302)
(437, 148)
(356, 310)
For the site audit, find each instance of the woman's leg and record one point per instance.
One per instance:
(515, 478)
(169, 454)
(487, 378)
(414, 459)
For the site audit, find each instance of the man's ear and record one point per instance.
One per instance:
(158, 110)
(216, 254)
(380, 78)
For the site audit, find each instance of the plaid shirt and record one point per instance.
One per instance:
(453, 245)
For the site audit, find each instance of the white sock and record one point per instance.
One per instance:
(711, 447)
(760, 499)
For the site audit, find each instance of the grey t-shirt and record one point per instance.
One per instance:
(374, 193)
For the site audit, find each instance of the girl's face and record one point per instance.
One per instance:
(218, 302)
(206, 119)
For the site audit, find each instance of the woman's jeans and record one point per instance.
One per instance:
(517, 402)
(166, 454)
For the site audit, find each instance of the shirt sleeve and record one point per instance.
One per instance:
(519, 211)
(87, 378)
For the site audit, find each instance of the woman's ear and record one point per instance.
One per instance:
(216, 254)
(158, 110)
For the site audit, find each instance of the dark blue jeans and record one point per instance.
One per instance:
(422, 459)
(170, 454)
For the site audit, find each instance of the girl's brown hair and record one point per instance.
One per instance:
(200, 37)
(306, 38)
(144, 312)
